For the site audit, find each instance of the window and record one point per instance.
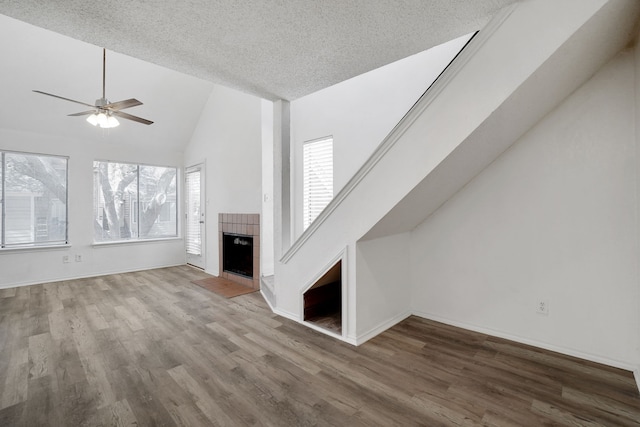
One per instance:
(317, 158)
(193, 229)
(33, 200)
(134, 201)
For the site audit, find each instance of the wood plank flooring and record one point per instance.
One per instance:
(152, 348)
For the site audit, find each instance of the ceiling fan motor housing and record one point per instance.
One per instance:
(101, 102)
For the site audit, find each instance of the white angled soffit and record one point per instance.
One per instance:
(606, 33)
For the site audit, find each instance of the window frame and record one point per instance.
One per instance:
(3, 198)
(135, 206)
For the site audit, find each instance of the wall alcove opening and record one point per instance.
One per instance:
(323, 300)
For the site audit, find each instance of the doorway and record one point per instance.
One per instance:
(195, 216)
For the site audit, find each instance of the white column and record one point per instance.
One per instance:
(281, 178)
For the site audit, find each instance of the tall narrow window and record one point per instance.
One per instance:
(317, 158)
(33, 200)
(134, 201)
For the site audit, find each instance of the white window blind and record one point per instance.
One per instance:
(193, 213)
(317, 177)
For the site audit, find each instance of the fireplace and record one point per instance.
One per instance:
(237, 258)
(239, 248)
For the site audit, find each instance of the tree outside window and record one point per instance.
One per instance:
(33, 200)
(131, 201)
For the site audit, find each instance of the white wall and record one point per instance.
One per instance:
(18, 267)
(441, 129)
(553, 218)
(266, 237)
(384, 283)
(360, 112)
(228, 140)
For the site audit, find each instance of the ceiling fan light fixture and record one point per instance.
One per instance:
(112, 122)
(102, 119)
(93, 119)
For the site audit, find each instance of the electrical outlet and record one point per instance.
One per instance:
(542, 307)
(65, 259)
(78, 258)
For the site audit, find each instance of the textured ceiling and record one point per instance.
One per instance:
(273, 49)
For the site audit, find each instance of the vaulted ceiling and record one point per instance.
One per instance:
(272, 49)
(37, 59)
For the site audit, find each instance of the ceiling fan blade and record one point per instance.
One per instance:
(63, 98)
(121, 105)
(84, 113)
(130, 117)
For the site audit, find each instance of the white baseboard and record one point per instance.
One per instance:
(327, 332)
(288, 315)
(376, 330)
(271, 307)
(216, 274)
(362, 338)
(85, 276)
(534, 343)
(357, 340)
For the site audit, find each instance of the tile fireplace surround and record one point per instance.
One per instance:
(248, 225)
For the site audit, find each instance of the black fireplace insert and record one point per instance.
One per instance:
(237, 254)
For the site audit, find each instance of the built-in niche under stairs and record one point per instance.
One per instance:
(323, 300)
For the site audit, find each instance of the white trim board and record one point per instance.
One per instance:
(271, 307)
(377, 330)
(286, 314)
(87, 276)
(534, 343)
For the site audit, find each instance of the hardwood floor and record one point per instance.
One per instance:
(152, 348)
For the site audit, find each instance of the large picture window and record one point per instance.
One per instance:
(317, 159)
(33, 200)
(133, 202)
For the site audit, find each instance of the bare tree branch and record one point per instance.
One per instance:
(34, 167)
(113, 200)
(152, 210)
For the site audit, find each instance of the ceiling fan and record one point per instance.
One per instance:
(103, 112)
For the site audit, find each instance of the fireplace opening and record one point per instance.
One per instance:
(237, 254)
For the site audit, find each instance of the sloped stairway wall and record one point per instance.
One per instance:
(516, 70)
